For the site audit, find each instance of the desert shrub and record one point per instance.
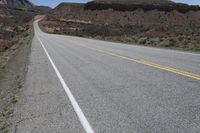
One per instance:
(180, 38)
(164, 43)
(184, 43)
(196, 47)
(172, 42)
(26, 34)
(4, 45)
(142, 40)
(135, 39)
(98, 37)
(128, 39)
(153, 41)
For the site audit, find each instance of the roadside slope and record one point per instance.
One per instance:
(12, 75)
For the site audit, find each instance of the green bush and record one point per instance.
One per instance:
(142, 40)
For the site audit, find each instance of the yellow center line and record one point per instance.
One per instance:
(147, 63)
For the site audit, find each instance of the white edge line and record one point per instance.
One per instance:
(77, 109)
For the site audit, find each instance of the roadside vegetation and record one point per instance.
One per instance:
(187, 43)
(178, 42)
(16, 35)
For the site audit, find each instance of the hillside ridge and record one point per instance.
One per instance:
(117, 5)
(16, 3)
(134, 1)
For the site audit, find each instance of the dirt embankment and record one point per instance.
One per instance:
(161, 28)
(12, 73)
(16, 34)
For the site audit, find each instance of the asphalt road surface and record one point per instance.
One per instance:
(76, 85)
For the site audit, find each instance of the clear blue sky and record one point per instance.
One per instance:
(53, 3)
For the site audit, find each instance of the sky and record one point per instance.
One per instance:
(54, 3)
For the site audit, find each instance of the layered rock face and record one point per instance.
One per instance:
(16, 3)
(144, 2)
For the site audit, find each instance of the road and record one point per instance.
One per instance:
(76, 85)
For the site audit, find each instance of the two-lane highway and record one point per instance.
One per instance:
(82, 85)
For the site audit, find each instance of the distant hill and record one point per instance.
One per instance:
(134, 1)
(16, 3)
(159, 23)
(42, 9)
(23, 5)
(146, 5)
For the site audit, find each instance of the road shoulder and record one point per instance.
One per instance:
(43, 104)
(12, 73)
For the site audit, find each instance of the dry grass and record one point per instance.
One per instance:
(12, 72)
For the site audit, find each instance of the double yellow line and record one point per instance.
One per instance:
(147, 63)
